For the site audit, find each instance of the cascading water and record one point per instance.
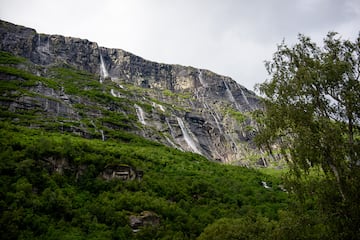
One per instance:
(172, 143)
(39, 41)
(215, 117)
(103, 72)
(231, 97)
(102, 135)
(140, 114)
(42, 48)
(264, 184)
(170, 128)
(47, 46)
(201, 79)
(161, 107)
(113, 93)
(187, 137)
(244, 96)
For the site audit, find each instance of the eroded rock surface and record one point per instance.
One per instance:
(206, 104)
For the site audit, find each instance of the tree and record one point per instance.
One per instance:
(312, 114)
(249, 227)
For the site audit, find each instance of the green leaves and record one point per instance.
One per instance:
(312, 114)
(51, 188)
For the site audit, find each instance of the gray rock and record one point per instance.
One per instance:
(200, 97)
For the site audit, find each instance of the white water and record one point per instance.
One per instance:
(214, 116)
(43, 48)
(231, 97)
(47, 46)
(161, 107)
(102, 135)
(187, 137)
(172, 143)
(170, 128)
(140, 114)
(115, 94)
(244, 96)
(264, 184)
(103, 72)
(217, 122)
(201, 79)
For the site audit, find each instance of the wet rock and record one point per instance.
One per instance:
(199, 97)
(146, 218)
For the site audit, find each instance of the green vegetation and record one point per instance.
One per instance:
(53, 182)
(238, 116)
(8, 58)
(186, 191)
(313, 115)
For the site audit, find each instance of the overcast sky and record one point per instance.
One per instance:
(229, 37)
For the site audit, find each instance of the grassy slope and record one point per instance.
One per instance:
(185, 190)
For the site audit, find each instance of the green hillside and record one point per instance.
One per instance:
(184, 191)
(53, 183)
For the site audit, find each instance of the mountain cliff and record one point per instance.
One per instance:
(74, 85)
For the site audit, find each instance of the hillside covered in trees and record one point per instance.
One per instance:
(78, 161)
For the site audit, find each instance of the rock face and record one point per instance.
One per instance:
(123, 172)
(187, 108)
(146, 218)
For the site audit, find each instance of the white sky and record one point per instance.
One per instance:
(229, 37)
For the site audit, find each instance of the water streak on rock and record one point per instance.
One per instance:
(140, 114)
(187, 136)
(103, 72)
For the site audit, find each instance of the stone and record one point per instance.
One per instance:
(201, 98)
(121, 171)
(145, 219)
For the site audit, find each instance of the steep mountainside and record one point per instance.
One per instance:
(74, 85)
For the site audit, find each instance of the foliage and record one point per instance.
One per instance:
(50, 188)
(8, 58)
(238, 116)
(313, 114)
(239, 228)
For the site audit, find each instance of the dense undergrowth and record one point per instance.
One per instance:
(185, 190)
(51, 184)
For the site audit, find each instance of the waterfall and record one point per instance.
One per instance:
(161, 107)
(103, 72)
(173, 144)
(244, 96)
(115, 94)
(187, 137)
(231, 97)
(201, 79)
(217, 122)
(39, 41)
(47, 46)
(140, 114)
(264, 184)
(102, 135)
(214, 116)
(170, 128)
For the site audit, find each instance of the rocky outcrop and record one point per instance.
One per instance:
(191, 109)
(121, 171)
(144, 219)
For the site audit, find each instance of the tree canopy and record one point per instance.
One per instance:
(312, 115)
